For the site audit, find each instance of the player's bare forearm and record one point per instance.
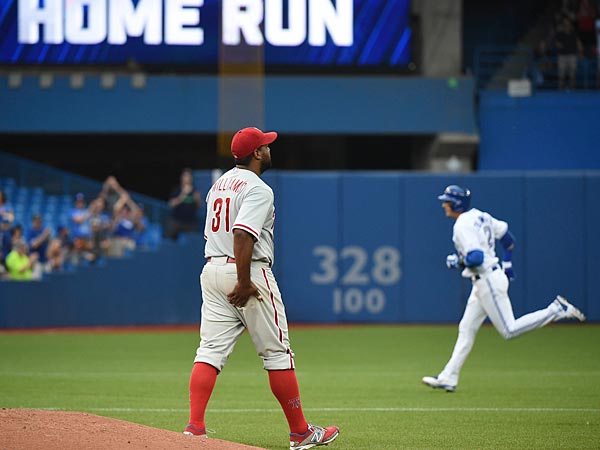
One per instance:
(243, 245)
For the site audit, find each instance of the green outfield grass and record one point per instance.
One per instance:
(540, 391)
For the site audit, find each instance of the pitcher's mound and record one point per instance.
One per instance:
(30, 429)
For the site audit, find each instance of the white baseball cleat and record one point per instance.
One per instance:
(569, 311)
(191, 430)
(437, 384)
(314, 437)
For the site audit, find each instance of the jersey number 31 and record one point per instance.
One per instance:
(218, 210)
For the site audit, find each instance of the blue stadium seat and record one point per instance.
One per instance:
(19, 217)
(37, 194)
(50, 207)
(22, 192)
(20, 206)
(52, 199)
(9, 192)
(63, 218)
(8, 182)
(154, 236)
(35, 208)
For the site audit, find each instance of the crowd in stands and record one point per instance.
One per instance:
(570, 45)
(109, 225)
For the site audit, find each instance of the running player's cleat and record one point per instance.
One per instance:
(313, 437)
(191, 430)
(569, 311)
(437, 384)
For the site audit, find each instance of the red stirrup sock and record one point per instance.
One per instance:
(284, 386)
(202, 382)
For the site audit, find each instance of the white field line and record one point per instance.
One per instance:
(258, 374)
(277, 410)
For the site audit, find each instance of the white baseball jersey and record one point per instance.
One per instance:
(478, 230)
(239, 199)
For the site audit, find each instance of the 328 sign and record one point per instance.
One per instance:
(362, 277)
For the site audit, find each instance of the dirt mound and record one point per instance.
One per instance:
(29, 429)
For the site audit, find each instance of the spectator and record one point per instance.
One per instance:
(86, 238)
(100, 229)
(598, 53)
(5, 245)
(569, 47)
(8, 238)
(61, 251)
(141, 227)
(111, 192)
(38, 238)
(586, 18)
(3, 272)
(568, 9)
(124, 227)
(7, 217)
(56, 256)
(185, 202)
(80, 223)
(22, 266)
(545, 56)
(16, 234)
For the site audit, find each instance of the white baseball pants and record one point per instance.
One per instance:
(489, 298)
(222, 323)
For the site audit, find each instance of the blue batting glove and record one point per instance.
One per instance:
(453, 261)
(508, 270)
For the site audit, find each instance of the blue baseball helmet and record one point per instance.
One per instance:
(459, 198)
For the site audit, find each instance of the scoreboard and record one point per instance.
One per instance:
(291, 35)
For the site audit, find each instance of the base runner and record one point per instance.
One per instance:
(474, 235)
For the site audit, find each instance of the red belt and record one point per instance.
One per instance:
(229, 259)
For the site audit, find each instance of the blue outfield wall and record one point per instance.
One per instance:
(352, 247)
(149, 288)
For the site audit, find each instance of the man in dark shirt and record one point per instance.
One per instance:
(568, 47)
(185, 202)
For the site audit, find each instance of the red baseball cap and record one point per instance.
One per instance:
(249, 139)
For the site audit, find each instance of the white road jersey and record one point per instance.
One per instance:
(239, 199)
(478, 230)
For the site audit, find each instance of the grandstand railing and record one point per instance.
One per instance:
(495, 66)
(56, 182)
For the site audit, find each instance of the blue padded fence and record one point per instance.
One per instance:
(352, 247)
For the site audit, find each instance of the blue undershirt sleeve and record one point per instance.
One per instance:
(508, 243)
(474, 258)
